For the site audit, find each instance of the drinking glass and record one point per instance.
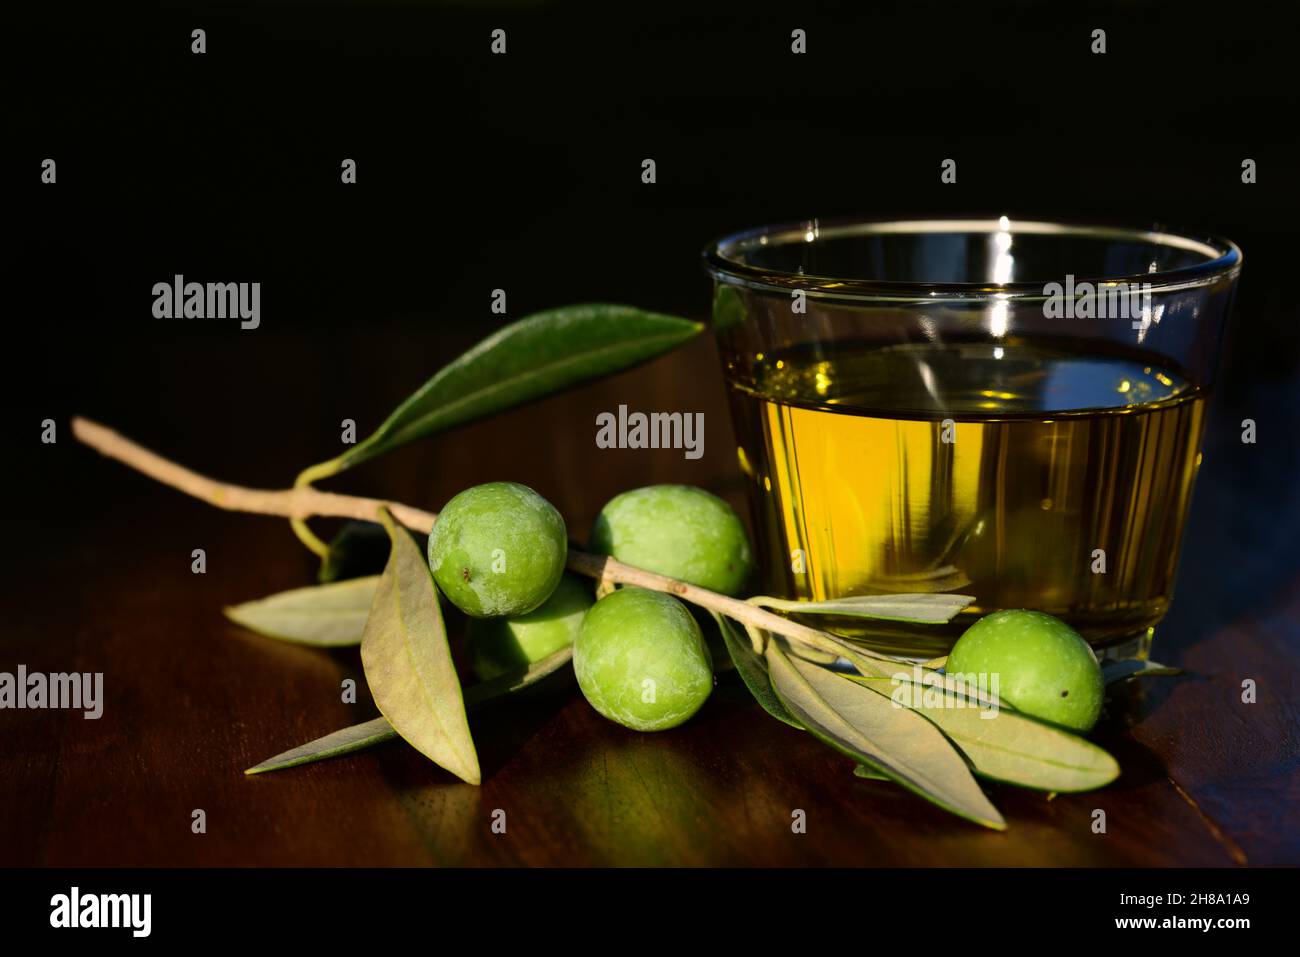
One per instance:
(1002, 409)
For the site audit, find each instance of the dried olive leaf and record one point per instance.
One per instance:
(344, 741)
(862, 771)
(897, 742)
(327, 616)
(918, 608)
(484, 691)
(753, 672)
(875, 668)
(358, 737)
(1004, 745)
(818, 656)
(408, 665)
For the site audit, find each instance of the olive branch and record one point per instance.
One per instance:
(304, 502)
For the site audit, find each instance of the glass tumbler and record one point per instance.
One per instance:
(1002, 409)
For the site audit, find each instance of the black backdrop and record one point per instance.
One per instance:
(522, 172)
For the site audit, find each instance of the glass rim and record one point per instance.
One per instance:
(1223, 257)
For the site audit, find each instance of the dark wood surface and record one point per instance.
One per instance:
(192, 700)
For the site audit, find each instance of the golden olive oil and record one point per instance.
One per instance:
(1022, 473)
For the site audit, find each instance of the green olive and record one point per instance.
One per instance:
(498, 550)
(679, 531)
(499, 646)
(641, 660)
(1043, 667)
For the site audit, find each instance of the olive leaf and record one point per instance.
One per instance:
(1001, 744)
(753, 672)
(875, 668)
(897, 742)
(518, 680)
(530, 358)
(327, 616)
(407, 663)
(817, 656)
(358, 737)
(1118, 670)
(922, 608)
(862, 771)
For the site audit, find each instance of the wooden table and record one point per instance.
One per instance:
(192, 700)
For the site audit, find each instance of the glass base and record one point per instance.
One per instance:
(1138, 647)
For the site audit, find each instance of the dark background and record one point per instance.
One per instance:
(522, 172)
